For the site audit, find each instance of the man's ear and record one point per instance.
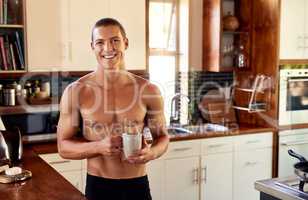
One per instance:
(92, 47)
(126, 43)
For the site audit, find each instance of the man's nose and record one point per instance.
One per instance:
(108, 46)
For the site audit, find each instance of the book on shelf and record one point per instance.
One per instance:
(13, 56)
(20, 50)
(5, 2)
(11, 52)
(3, 54)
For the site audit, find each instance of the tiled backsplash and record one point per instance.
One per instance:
(199, 83)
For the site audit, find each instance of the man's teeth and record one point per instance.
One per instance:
(109, 56)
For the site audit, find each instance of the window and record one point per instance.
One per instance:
(168, 38)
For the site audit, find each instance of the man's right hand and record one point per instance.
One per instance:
(110, 146)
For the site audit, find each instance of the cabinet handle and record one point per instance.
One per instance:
(59, 162)
(182, 149)
(294, 143)
(253, 141)
(203, 174)
(70, 54)
(196, 176)
(300, 41)
(216, 145)
(250, 163)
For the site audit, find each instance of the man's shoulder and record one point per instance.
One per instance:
(81, 82)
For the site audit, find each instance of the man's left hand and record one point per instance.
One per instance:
(142, 156)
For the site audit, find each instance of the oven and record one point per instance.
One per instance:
(295, 139)
(293, 96)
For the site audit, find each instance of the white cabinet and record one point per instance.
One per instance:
(252, 162)
(58, 38)
(216, 169)
(43, 35)
(155, 172)
(182, 178)
(212, 169)
(71, 170)
(294, 29)
(182, 171)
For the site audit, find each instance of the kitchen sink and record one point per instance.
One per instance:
(195, 129)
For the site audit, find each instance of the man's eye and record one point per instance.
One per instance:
(98, 43)
(115, 40)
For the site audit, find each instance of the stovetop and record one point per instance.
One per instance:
(293, 184)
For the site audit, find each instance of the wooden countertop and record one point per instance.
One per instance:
(243, 129)
(51, 147)
(42, 186)
(45, 184)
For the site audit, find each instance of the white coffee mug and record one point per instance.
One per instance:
(131, 143)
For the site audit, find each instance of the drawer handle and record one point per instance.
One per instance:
(196, 176)
(216, 145)
(59, 162)
(251, 163)
(253, 141)
(182, 149)
(203, 174)
(294, 143)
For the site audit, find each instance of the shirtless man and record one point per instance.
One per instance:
(107, 100)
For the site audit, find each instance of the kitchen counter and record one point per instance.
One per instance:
(271, 191)
(42, 186)
(45, 184)
(243, 129)
(51, 147)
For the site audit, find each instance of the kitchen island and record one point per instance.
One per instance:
(45, 184)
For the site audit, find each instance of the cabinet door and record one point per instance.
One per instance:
(250, 166)
(155, 171)
(77, 25)
(181, 179)
(44, 37)
(131, 15)
(292, 28)
(216, 176)
(75, 178)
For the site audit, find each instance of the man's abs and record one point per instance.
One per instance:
(114, 167)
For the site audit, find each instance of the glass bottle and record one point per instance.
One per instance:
(240, 57)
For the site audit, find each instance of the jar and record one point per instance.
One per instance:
(45, 87)
(230, 22)
(9, 97)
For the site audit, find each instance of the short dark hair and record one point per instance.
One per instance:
(109, 22)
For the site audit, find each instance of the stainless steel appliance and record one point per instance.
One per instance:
(11, 145)
(293, 184)
(293, 96)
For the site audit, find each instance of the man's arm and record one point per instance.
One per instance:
(68, 145)
(157, 124)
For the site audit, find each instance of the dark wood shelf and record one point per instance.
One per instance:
(21, 109)
(236, 32)
(11, 26)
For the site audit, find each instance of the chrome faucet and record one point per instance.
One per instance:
(175, 113)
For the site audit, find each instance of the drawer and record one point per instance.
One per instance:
(253, 141)
(217, 145)
(183, 149)
(60, 164)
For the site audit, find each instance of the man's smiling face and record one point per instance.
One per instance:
(109, 46)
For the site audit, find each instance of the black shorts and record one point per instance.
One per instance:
(99, 188)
